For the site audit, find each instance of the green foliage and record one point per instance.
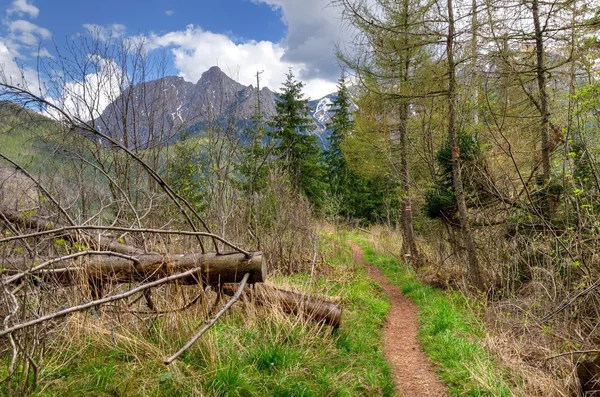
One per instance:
(370, 198)
(341, 125)
(469, 150)
(584, 174)
(252, 167)
(298, 153)
(185, 173)
(440, 200)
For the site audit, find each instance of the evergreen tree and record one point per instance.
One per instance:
(254, 153)
(341, 124)
(185, 173)
(298, 153)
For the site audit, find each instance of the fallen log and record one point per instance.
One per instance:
(98, 269)
(315, 309)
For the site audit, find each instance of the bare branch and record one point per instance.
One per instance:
(210, 322)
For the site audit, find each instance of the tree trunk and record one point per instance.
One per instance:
(474, 66)
(543, 108)
(315, 309)
(98, 269)
(409, 246)
(473, 268)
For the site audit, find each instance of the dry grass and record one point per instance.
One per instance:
(522, 358)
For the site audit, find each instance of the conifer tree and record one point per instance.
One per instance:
(298, 152)
(341, 125)
(254, 153)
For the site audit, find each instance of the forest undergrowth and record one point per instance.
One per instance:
(252, 351)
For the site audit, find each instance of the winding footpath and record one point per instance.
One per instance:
(413, 373)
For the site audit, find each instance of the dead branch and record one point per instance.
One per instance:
(315, 309)
(572, 353)
(41, 187)
(35, 222)
(48, 228)
(570, 301)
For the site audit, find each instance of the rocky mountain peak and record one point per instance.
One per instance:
(171, 104)
(215, 75)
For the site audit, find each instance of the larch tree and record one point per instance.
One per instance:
(473, 266)
(393, 62)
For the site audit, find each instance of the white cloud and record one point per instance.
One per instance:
(169, 12)
(12, 73)
(22, 7)
(27, 33)
(105, 32)
(21, 40)
(196, 50)
(44, 53)
(320, 87)
(87, 98)
(314, 28)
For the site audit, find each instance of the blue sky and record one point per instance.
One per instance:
(241, 36)
(241, 18)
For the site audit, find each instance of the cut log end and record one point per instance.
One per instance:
(259, 260)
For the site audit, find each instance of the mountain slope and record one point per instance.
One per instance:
(157, 111)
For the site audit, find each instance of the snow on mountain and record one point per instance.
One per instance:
(321, 111)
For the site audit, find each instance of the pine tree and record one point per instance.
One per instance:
(341, 124)
(298, 153)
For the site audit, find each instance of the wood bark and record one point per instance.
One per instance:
(215, 268)
(315, 309)
(409, 245)
(473, 267)
(543, 108)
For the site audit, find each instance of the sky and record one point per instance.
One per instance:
(240, 36)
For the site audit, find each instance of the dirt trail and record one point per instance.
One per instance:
(413, 373)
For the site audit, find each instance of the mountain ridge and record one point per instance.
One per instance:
(165, 107)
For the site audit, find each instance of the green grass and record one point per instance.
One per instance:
(449, 332)
(249, 352)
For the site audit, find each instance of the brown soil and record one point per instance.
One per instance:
(413, 373)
